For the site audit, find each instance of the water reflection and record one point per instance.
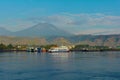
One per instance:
(60, 54)
(57, 66)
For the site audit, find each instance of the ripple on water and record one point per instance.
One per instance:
(80, 66)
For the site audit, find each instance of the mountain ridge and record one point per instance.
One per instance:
(45, 33)
(98, 40)
(39, 30)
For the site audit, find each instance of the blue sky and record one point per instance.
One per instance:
(77, 16)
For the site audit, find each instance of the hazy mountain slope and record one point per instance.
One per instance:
(78, 38)
(22, 40)
(42, 30)
(98, 40)
(4, 32)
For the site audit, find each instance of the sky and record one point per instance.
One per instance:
(75, 16)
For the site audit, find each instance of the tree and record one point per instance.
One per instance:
(80, 47)
(2, 47)
(10, 46)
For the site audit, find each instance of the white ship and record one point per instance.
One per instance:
(59, 49)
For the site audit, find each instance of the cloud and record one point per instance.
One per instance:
(81, 19)
(16, 24)
(94, 19)
(76, 23)
(84, 22)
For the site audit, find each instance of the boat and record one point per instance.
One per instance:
(36, 49)
(59, 49)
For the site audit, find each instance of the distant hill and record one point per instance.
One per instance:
(78, 38)
(98, 40)
(42, 30)
(22, 40)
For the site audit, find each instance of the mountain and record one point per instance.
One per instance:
(93, 40)
(99, 40)
(44, 33)
(42, 30)
(4, 32)
(22, 40)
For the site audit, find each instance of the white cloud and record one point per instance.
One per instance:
(16, 25)
(89, 23)
(95, 19)
(82, 19)
(75, 23)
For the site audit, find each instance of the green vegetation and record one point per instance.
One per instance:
(10, 47)
(90, 48)
(80, 47)
(2, 47)
(6, 47)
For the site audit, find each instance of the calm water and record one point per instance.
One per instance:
(62, 66)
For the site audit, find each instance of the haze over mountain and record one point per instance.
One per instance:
(39, 30)
(42, 30)
(52, 35)
(4, 32)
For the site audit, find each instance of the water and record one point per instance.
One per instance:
(62, 66)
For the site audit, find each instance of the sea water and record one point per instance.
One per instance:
(60, 66)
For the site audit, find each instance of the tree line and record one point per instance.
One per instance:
(6, 47)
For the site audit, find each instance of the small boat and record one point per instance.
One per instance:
(59, 49)
(30, 49)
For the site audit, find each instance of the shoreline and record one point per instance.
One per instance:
(93, 50)
(70, 51)
(13, 51)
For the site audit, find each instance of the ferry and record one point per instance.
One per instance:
(59, 49)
